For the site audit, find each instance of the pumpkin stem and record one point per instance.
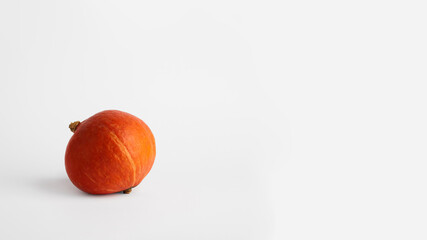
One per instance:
(73, 126)
(127, 191)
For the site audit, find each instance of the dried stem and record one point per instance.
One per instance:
(73, 126)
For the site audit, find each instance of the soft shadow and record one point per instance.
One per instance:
(64, 187)
(58, 186)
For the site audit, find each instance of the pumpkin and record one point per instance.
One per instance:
(112, 151)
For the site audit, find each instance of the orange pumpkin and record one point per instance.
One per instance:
(112, 151)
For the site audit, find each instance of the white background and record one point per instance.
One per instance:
(273, 119)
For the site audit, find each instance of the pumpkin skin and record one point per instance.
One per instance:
(111, 151)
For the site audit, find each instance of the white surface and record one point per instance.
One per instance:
(273, 119)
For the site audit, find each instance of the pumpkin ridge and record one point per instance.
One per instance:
(124, 150)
